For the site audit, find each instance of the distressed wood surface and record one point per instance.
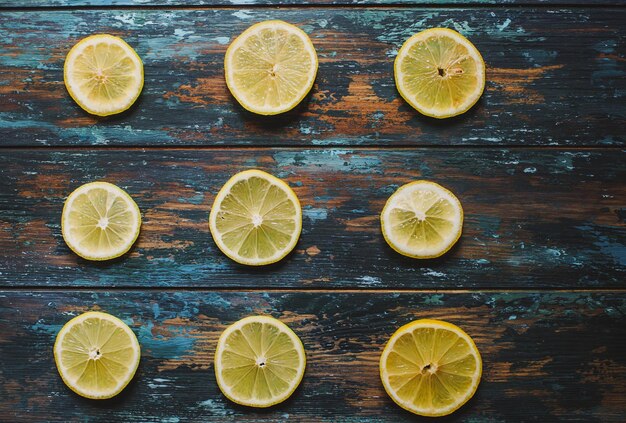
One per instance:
(554, 77)
(247, 3)
(560, 355)
(533, 218)
(537, 278)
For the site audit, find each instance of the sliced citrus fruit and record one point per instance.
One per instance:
(259, 361)
(96, 354)
(440, 73)
(422, 220)
(256, 218)
(103, 74)
(270, 67)
(430, 367)
(100, 221)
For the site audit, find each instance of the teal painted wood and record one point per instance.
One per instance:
(533, 218)
(561, 355)
(248, 3)
(555, 77)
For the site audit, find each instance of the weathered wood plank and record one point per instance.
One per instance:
(561, 355)
(248, 3)
(533, 218)
(543, 87)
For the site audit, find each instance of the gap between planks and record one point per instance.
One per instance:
(311, 147)
(382, 291)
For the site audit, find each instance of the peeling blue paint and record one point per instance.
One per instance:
(434, 299)
(161, 347)
(331, 160)
(370, 280)
(314, 214)
(610, 247)
(505, 24)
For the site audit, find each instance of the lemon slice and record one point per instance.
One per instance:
(96, 355)
(430, 367)
(103, 74)
(440, 73)
(259, 361)
(422, 220)
(100, 221)
(256, 218)
(270, 67)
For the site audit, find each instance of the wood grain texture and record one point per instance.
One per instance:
(533, 218)
(561, 355)
(555, 77)
(248, 3)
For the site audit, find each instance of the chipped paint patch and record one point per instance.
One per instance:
(370, 280)
(222, 40)
(514, 82)
(216, 407)
(504, 25)
(126, 18)
(336, 160)
(610, 247)
(182, 33)
(243, 14)
(431, 272)
(434, 299)
(315, 214)
(162, 347)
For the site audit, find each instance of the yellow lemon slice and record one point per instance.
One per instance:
(422, 220)
(430, 367)
(103, 74)
(270, 67)
(100, 221)
(440, 73)
(256, 218)
(259, 361)
(96, 355)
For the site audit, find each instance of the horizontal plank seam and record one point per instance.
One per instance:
(66, 289)
(311, 147)
(451, 5)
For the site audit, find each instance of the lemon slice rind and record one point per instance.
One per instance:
(412, 99)
(226, 190)
(73, 84)
(240, 42)
(422, 253)
(72, 383)
(222, 346)
(74, 244)
(410, 328)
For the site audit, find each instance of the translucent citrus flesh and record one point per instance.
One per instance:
(431, 368)
(103, 74)
(440, 73)
(257, 218)
(96, 355)
(422, 219)
(271, 67)
(259, 362)
(100, 221)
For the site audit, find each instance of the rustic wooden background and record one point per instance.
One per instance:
(538, 278)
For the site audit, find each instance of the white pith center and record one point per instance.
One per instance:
(429, 368)
(94, 354)
(103, 222)
(261, 361)
(420, 215)
(100, 76)
(274, 70)
(257, 220)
